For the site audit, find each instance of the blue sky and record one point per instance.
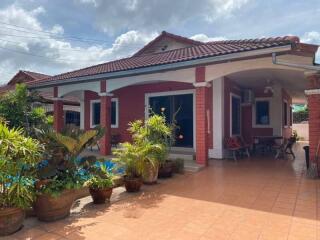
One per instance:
(57, 36)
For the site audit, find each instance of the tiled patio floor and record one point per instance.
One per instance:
(260, 198)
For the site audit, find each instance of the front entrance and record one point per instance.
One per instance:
(180, 108)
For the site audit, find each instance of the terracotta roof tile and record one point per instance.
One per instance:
(203, 50)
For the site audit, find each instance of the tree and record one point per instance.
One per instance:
(16, 108)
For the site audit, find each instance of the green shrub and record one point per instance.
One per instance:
(18, 158)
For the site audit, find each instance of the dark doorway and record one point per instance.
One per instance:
(180, 107)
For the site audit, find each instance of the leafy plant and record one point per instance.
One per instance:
(149, 147)
(17, 108)
(101, 178)
(18, 158)
(64, 166)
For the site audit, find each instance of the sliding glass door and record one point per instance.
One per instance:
(179, 107)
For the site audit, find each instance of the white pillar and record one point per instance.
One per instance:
(217, 119)
(81, 99)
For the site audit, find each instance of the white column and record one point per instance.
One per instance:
(218, 119)
(81, 99)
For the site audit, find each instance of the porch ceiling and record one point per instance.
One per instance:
(293, 82)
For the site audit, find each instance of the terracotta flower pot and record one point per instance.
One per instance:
(165, 170)
(132, 184)
(151, 175)
(49, 208)
(100, 196)
(11, 220)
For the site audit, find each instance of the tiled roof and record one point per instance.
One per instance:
(36, 75)
(204, 50)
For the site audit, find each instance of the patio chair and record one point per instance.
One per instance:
(284, 148)
(246, 146)
(236, 147)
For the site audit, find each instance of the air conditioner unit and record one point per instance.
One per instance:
(247, 96)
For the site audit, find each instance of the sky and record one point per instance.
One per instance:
(53, 37)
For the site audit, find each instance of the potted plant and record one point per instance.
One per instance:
(100, 184)
(18, 156)
(63, 173)
(157, 133)
(129, 157)
(178, 165)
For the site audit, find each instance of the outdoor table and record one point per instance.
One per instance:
(265, 142)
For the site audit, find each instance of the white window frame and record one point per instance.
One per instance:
(254, 122)
(116, 100)
(239, 97)
(285, 124)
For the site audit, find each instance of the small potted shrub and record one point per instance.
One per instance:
(18, 157)
(63, 173)
(166, 169)
(154, 137)
(100, 185)
(178, 165)
(131, 158)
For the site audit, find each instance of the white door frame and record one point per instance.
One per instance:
(171, 93)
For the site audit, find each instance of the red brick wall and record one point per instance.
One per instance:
(247, 131)
(132, 104)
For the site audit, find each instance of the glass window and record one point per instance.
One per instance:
(290, 115)
(236, 115)
(285, 113)
(113, 113)
(73, 117)
(96, 113)
(262, 113)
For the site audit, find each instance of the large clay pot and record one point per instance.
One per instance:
(151, 174)
(132, 184)
(11, 220)
(49, 208)
(165, 170)
(100, 196)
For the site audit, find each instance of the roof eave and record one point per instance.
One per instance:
(164, 67)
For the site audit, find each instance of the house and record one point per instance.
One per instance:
(218, 89)
(70, 104)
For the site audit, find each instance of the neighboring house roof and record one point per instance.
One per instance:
(197, 51)
(160, 42)
(27, 76)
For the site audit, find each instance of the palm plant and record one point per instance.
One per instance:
(149, 147)
(136, 157)
(64, 166)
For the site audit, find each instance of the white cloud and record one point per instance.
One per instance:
(204, 38)
(53, 53)
(113, 16)
(312, 37)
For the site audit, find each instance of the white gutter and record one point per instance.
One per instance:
(164, 67)
(296, 65)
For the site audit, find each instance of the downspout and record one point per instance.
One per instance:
(296, 65)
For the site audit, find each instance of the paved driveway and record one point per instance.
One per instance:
(258, 198)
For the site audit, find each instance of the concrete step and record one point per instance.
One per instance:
(184, 156)
(189, 160)
(192, 166)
